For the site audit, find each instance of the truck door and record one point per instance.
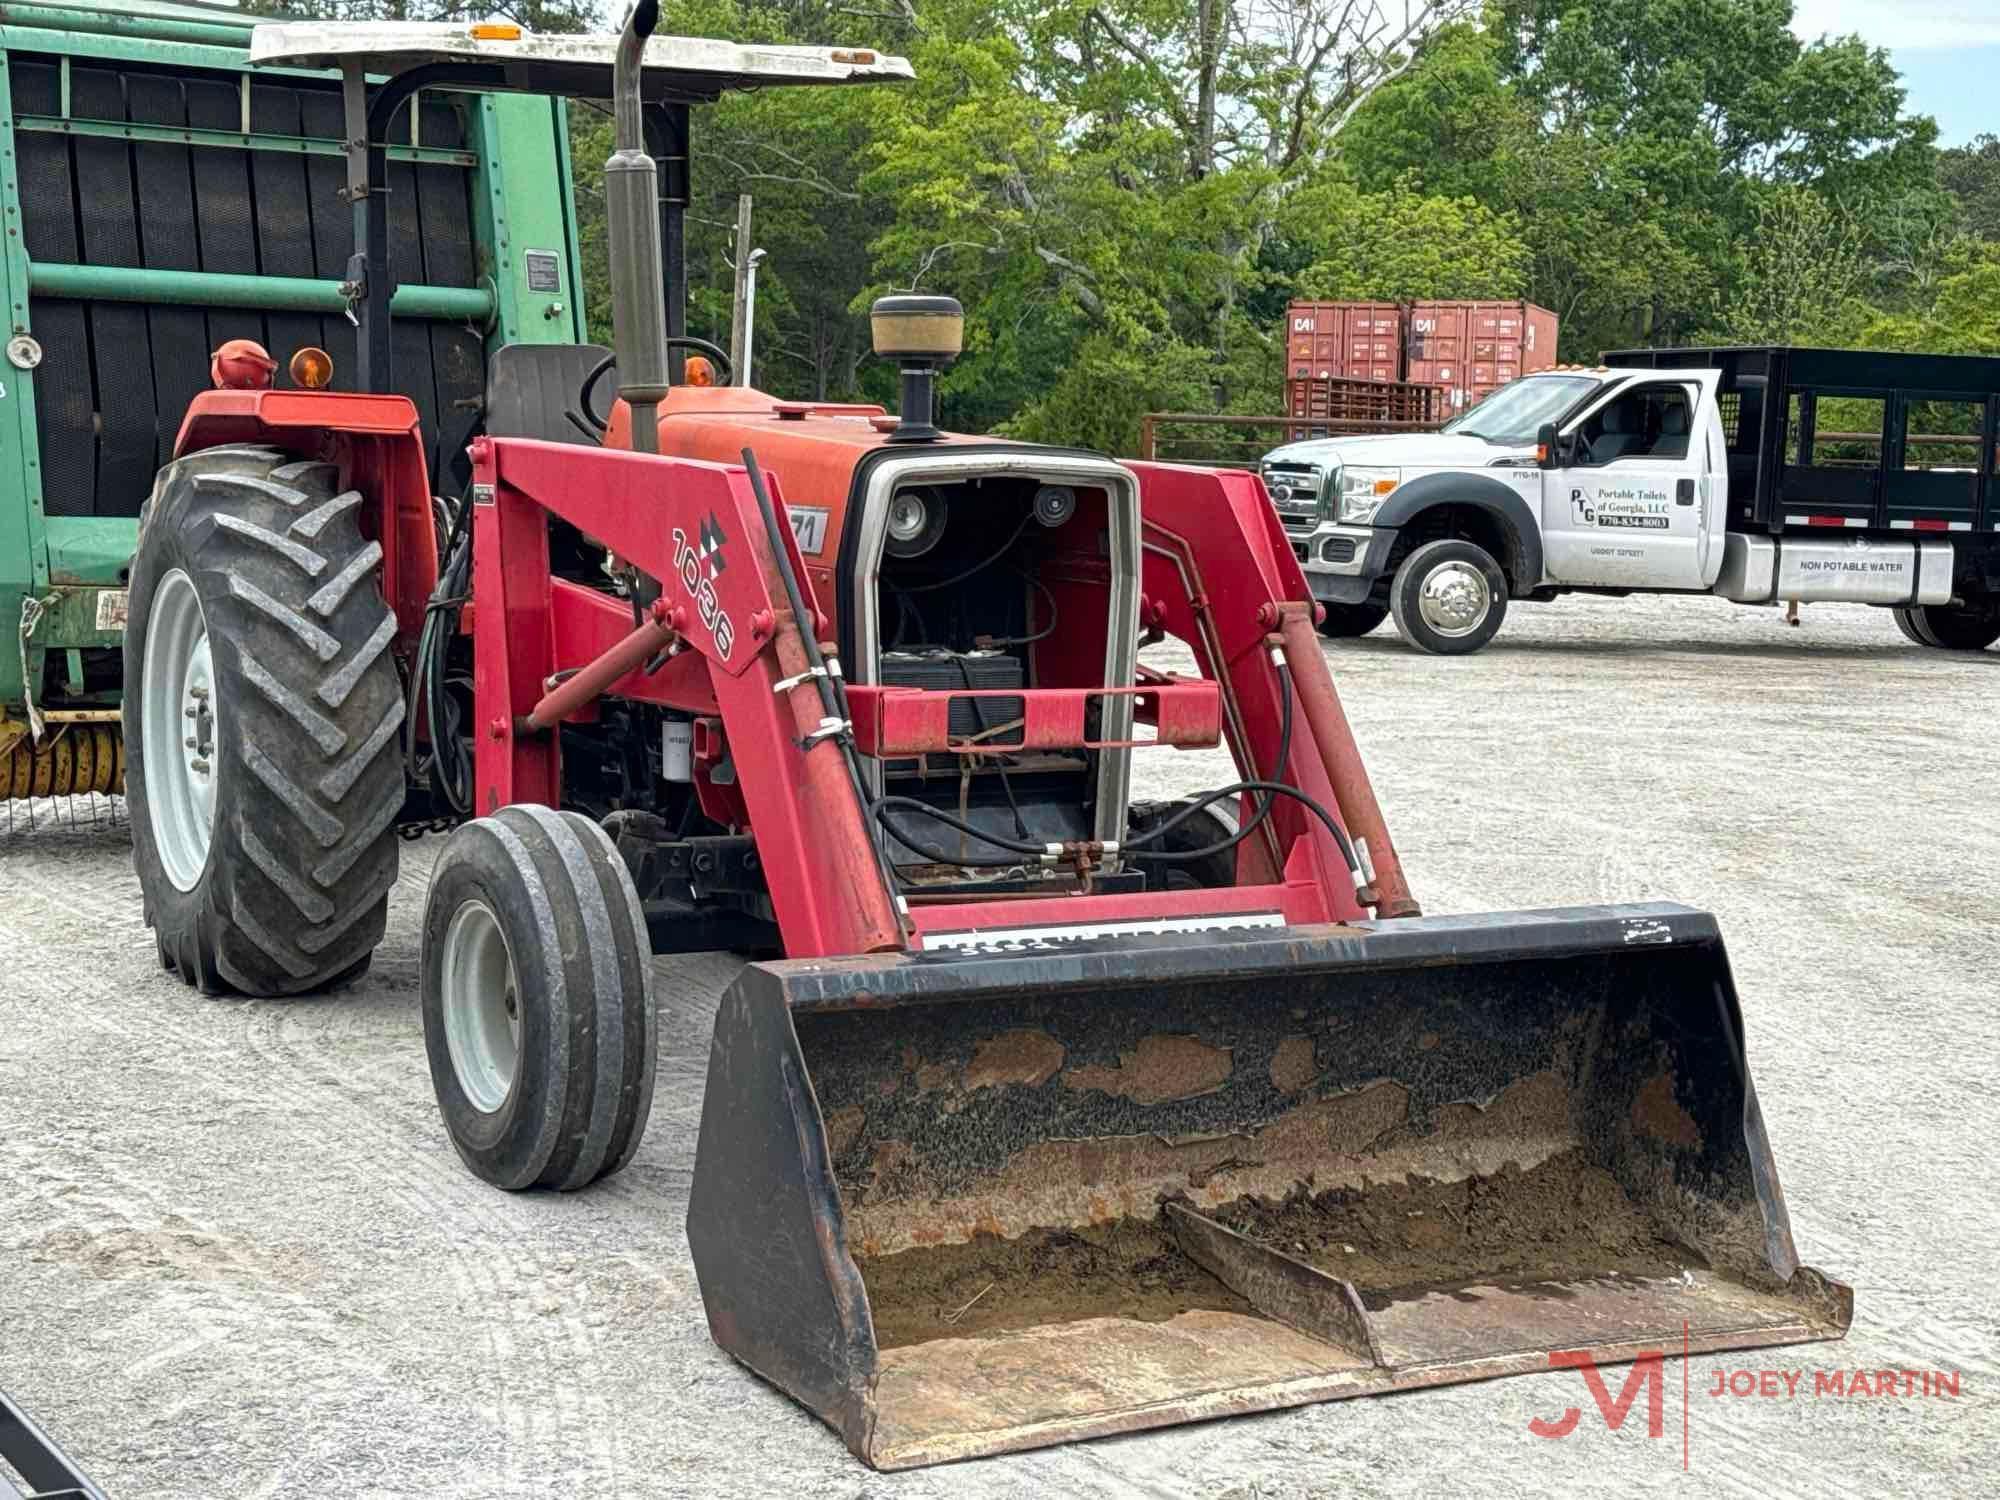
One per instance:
(1712, 489)
(1635, 500)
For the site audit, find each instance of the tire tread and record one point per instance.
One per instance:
(304, 850)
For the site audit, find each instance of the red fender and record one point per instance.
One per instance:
(377, 444)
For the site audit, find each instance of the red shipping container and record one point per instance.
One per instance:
(1538, 340)
(1484, 330)
(1344, 340)
(1464, 348)
(1484, 344)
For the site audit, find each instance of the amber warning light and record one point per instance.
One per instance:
(312, 369)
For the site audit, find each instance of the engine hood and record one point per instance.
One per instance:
(1427, 450)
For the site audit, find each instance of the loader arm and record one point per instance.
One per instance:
(696, 527)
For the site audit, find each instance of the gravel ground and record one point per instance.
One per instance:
(238, 1257)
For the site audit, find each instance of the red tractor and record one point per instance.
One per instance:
(1063, 1113)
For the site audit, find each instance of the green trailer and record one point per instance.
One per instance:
(159, 199)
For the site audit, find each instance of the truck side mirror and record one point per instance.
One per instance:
(1545, 446)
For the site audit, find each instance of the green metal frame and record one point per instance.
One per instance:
(516, 144)
(459, 304)
(188, 135)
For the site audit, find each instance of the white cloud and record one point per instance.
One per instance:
(1902, 23)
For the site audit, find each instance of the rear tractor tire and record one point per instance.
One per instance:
(1950, 629)
(1346, 621)
(261, 716)
(538, 1000)
(1449, 597)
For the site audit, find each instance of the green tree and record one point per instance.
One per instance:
(1802, 276)
(1635, 142)
(1971, 174)
(1402, 245)
(1963, 315)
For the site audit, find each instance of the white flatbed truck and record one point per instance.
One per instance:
(1761, 475)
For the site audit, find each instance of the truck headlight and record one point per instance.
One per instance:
(1363, 489)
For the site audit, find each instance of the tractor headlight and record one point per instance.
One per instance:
(1054, 504)
(916, 521)
(1362, 491)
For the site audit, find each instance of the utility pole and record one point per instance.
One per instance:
(741, 309)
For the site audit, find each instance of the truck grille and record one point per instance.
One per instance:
(1295, 492)
(1337, 549)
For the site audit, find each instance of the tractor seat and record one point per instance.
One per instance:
(529, 387)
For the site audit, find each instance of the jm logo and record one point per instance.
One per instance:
(1645, 1374)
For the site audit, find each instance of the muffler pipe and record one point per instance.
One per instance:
(632, 216)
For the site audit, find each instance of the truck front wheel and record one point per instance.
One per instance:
(1449, 597)
(1950, 629)
(261, 716)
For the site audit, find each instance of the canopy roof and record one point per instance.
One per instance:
(578, 65)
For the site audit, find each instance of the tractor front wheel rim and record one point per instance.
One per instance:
(181, 730)
(482, 1006)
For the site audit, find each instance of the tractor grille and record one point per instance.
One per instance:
(116, 377)
(1295, 492)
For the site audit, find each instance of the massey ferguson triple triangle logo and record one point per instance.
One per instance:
(699, 567)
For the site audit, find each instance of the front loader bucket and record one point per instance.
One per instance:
(962, 1204)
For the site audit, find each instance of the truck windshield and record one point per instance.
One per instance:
(1515, 413)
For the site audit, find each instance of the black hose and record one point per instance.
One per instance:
(979, 567)
(1274, 788)
(999, 840)
(1268, 792)
(941, 857)
(428, 685)
(1264, 803)
(832, 695)
(1047, 630)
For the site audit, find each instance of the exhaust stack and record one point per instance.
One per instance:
(632, 215)
(923, 335)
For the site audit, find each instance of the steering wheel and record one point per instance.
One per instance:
(676, 341)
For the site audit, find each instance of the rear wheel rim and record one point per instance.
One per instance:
(482, 1006)
(181, 731)
(1454, 598)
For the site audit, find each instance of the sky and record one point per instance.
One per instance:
(1948, 52)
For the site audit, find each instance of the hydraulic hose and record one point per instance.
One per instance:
(833, 702)
(1020, 847)
(1268, 792)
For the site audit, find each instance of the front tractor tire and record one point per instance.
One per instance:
(261, 719)
(1449, 597)
(538, 1000)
